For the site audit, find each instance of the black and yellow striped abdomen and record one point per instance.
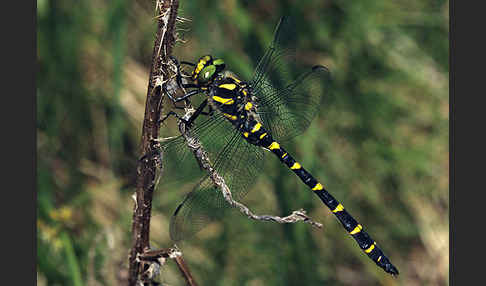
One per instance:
(230, 96)
(365, 242)
(256, 132)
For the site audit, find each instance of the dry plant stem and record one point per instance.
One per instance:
(146, 169)
(181, 264)
(172, 253)
(203, 160)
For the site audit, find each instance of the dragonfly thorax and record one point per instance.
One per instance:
(235, 100)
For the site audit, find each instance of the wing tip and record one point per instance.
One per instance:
(324, 70)
(320, 67)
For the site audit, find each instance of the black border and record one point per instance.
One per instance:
(466, 143)
(19, 202)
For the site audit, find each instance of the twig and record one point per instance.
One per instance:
(157, 258)
(160, 72)
(203, 159)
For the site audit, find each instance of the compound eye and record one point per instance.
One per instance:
(206, 74)
(219, 63)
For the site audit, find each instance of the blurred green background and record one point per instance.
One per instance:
(381, 147)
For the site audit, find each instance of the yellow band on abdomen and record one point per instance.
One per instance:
(317, 187)
(357, 229)
(339, 208)
(296, 166)
(370, 248)
(274, 145)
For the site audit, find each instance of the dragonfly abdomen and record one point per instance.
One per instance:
(365, 242)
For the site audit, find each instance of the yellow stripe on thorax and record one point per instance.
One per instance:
(229, 86)
(226, 101)
(256, 128)
(234, 78)
(229, 116)
(263, 135)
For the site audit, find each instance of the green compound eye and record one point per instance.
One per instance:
(220, 65)
(218, 62)
(206, 74)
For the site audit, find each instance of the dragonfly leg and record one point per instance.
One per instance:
(179, 74)
(200, 111)
(182, 84)
(188, 122)
(210, 111)
(172, 113)
(188, 63)
(189, 85)
(178, 64)
(155, 142)
(187, 95)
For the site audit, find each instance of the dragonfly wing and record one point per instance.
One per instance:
(214, 133)
(280, 52)
(285, 104)
(204, 204)
(288, 111)
(240, 163)
(237, 161)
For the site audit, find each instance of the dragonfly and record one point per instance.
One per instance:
(238, 121)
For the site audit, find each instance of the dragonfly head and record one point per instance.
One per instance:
(207, 69)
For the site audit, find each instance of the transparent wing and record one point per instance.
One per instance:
(278, 53)
(240, 164)
(202, 205)
(214, 132)
(287, 102)
(237, 161)
(288, 111)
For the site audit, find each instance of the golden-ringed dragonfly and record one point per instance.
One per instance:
(245, 118)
